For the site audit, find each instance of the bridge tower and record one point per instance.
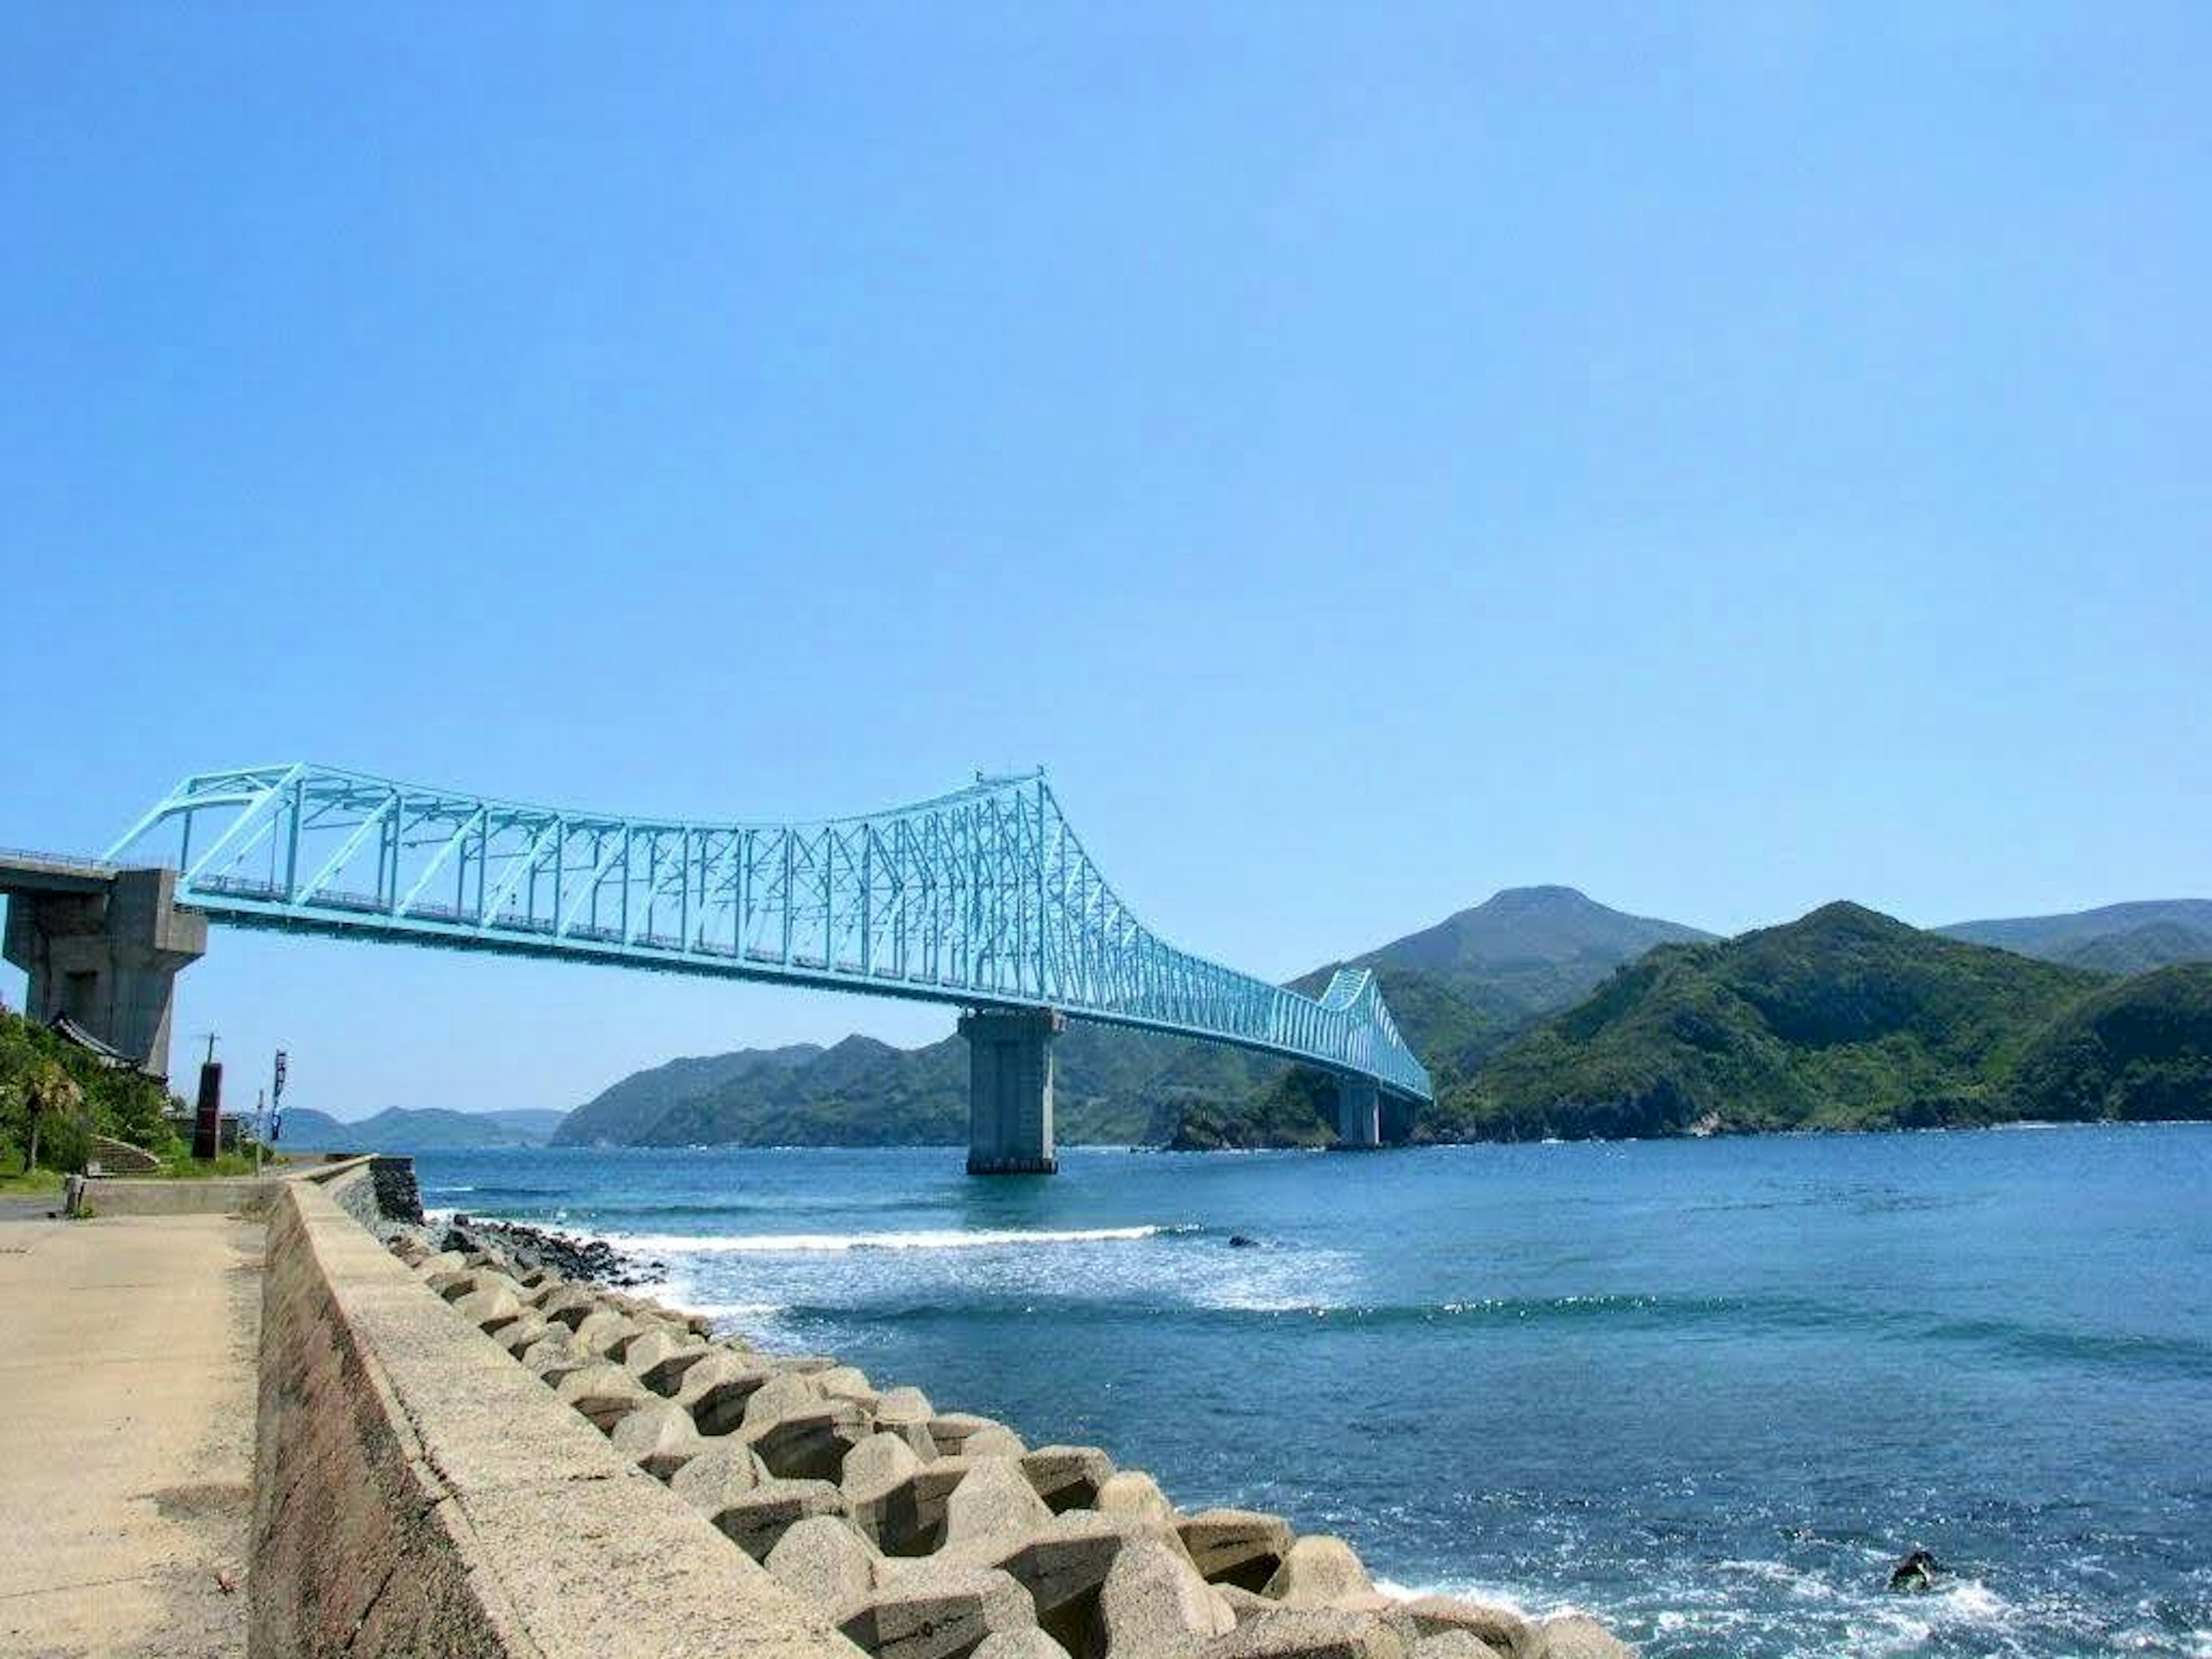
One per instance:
(103, 946)
(1358, 1113)
(1009, 1089)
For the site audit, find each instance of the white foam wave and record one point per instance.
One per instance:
(817, 1243)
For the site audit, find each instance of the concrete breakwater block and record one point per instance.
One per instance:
(1153, 1603)
(1321, 1571)
(755, 1521)
(1067, 1477)
(1235, 1546)
(717, 1390)
(929, 1535)
(659, 1437)
(934, 1610)
(605, 1392)
(825, 1559)
(1441, 1616)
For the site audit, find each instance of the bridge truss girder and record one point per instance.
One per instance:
(983, 897)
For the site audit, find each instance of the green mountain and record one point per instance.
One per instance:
(2115, 939)
(1842, 1019)
(428, 1129)
(1458, 990)
(1111, 1088)
(2140, 1049)
(621, 1115)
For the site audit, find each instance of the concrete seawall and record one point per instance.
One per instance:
(417, 1492)
(248, 1195)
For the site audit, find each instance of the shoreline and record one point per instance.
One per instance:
(905, 1475)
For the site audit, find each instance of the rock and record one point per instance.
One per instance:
(934, 1610)
(1496, 1627)
(826, 1560)
(994, 1503)
(1242, 1242)
(451, 1282)
(1577, 1637)
(659, 1437)
(1153, 1602)
(1235, 1546)
(717, 1477)
(1067, 1477)
(1914, 1573)
(1310, 1633)
(755, 1521)
(717, 1390)
(1133, 1492)
(606, 1394)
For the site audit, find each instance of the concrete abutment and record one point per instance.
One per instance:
(105, 952)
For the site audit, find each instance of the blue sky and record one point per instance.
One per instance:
(1726, 458)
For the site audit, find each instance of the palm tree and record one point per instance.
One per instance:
(48, 1090)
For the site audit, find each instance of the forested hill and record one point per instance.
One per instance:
(1844, 1019)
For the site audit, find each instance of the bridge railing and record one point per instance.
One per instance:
(984, 896)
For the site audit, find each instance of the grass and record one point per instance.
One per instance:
(181, 1166)
(15, 1184)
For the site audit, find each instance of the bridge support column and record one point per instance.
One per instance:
(1358, 1112)
(108, 959)
(1010, 1090)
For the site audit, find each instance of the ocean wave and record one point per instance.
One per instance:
(821, 1244)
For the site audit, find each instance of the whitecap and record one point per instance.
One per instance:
(818, 1244)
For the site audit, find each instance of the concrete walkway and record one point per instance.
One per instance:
(126, 1434)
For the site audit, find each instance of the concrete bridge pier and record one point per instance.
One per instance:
(104, 948)
(1358, 1112)
(1010, 1090)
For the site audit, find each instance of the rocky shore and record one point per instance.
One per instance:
(923, 1533)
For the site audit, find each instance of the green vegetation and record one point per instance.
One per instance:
(2140, 1049)
(1842, 1019)
(56, 1096)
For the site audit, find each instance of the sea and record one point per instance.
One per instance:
(1709, 1391)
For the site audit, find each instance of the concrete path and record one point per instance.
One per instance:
(126, 1435)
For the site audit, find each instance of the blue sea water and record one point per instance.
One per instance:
(1709, 1391)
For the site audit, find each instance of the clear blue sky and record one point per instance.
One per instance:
(1725, 457)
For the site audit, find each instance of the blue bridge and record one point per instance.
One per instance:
(983, 898)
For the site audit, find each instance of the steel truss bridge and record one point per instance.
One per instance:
(983, 898)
